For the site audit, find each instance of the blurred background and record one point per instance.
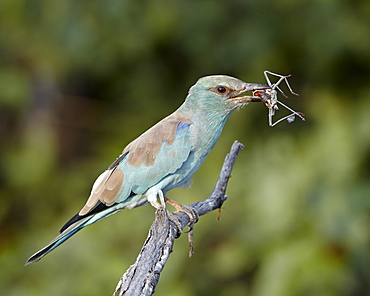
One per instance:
(80, 79)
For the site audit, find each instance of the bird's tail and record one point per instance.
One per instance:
(71, 230)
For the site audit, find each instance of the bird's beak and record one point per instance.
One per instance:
(240, 97)
(254, 86)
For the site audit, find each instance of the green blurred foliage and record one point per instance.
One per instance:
(80, 79)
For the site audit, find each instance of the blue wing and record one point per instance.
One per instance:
(162, 155)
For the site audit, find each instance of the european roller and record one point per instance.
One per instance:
(162, 158)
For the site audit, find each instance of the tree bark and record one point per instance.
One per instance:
(142, 277)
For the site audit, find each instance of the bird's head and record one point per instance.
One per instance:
(222, 92)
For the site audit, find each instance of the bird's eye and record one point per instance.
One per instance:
(221, 89)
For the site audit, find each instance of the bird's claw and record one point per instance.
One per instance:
(189, 211)
(193, 216)
(175, 219)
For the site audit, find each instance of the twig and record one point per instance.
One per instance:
(142, 277)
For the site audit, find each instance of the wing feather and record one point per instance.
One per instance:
(153, 156)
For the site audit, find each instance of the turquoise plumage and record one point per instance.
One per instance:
(162, 158)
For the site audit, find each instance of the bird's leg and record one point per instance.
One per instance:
(174, 218)
(153, 196)
(156, 204)
(190, 212)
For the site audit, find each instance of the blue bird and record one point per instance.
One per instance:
(162, 158)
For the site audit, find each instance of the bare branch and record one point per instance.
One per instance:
(142, 277)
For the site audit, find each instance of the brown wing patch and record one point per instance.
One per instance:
(144, 150)
(106, 190)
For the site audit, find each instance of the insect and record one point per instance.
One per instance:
(269, 98)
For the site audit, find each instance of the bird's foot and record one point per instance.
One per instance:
(190, 212)
(193, 218)
(175, 219)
